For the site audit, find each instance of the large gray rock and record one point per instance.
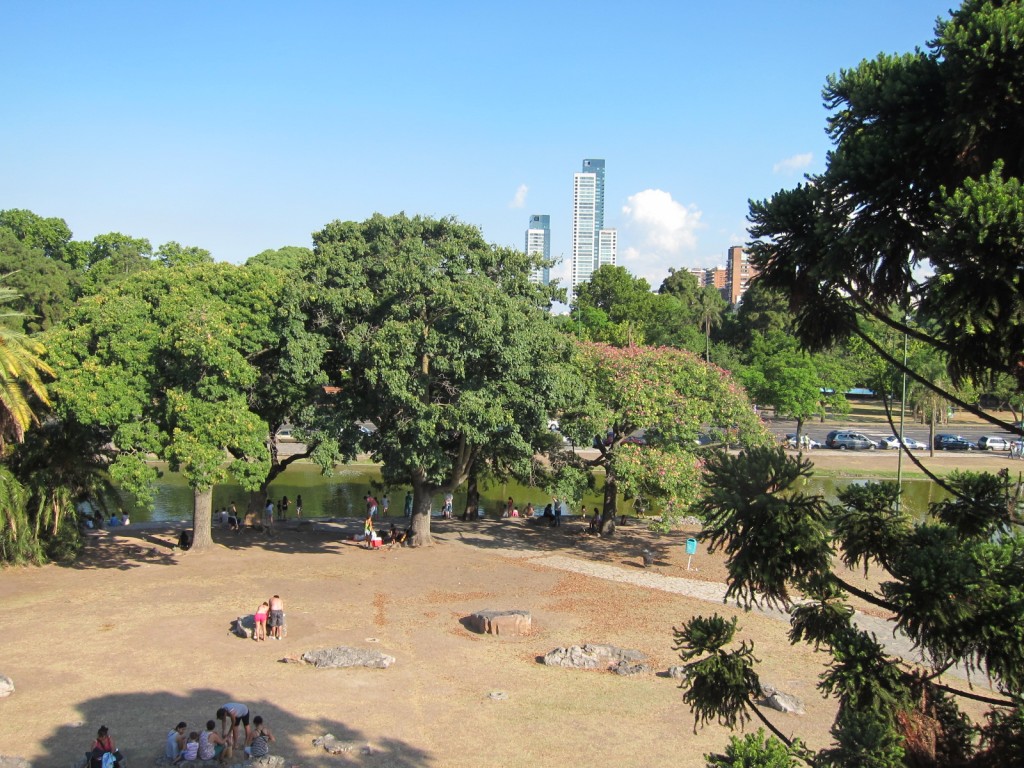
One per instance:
(6, 688)
(8, 761)
(592, 656)
(783, 702)
(490, 622)
(630, 669)
(677, 673)
(343, 656)
(244, 626)
(334, 746)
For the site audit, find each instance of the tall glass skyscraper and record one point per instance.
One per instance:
(592, 244)
(538, 240)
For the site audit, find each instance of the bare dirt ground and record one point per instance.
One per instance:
(136, 637)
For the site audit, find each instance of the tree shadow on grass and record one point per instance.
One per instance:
(156, 543)
(139, 723)
(571, 538)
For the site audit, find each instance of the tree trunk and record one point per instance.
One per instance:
(202, 519)
(421, 494)
(472, 497)
(610, 499)
(256, 504)
(799, 433)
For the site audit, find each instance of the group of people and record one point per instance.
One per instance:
(229, 517)
(269, 618)
(373, 540)
(235, 733)
(96, 521)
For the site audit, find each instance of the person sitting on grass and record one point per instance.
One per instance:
(212, 744)
(191, 751)
(175, 742)
(260, 739)
(104, 752)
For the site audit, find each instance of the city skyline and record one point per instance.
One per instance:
(242, 127)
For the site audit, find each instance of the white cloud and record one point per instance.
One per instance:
(660, 223)
(793, 164)
(519, 200)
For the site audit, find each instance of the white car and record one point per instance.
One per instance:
(892, 442)
(993, 443)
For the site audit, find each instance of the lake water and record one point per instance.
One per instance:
(343, 494)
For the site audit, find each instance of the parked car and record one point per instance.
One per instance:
(635, 440)
(993, 443)
(809, 442)
(953, 443)
(854, 441)
(892, 442)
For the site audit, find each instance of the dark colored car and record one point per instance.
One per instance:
(953, 443)
(844, 440)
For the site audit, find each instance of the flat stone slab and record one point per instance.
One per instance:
(335, 746)
(6, 687)
(8, 761)
(491, 622)
(594, 656)
(344, 656)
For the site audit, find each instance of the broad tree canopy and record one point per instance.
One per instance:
(439, 340)
(167, 362)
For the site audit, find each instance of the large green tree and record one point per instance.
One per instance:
(22, 371)
(920, 206)
(441, 341)
(169, 363)
(926, 172)
(671, 397)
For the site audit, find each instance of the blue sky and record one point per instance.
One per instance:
(241, 126)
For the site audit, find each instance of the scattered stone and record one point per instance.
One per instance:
(592, 656)
(677, 673)
(629, 669)
(6, 687)
(9, 761)
(490, 622)
(648, 557)
(244, 626)
(498, 696)
(267, 761)
(775, 699)
(343, 656)
(333, 746)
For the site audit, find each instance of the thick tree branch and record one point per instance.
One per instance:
(864, 595)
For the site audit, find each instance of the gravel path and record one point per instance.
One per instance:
(895, 642)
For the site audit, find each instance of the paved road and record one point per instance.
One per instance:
(817, 431)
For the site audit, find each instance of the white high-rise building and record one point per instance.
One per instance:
(593, 245)
(538, 240)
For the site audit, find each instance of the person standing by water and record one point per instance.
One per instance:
(408, 503)
(385, 505)
(298, 505)
(282, 508)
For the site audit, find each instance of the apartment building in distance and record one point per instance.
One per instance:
(732, 279)
(593, 244)
(538, 240)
